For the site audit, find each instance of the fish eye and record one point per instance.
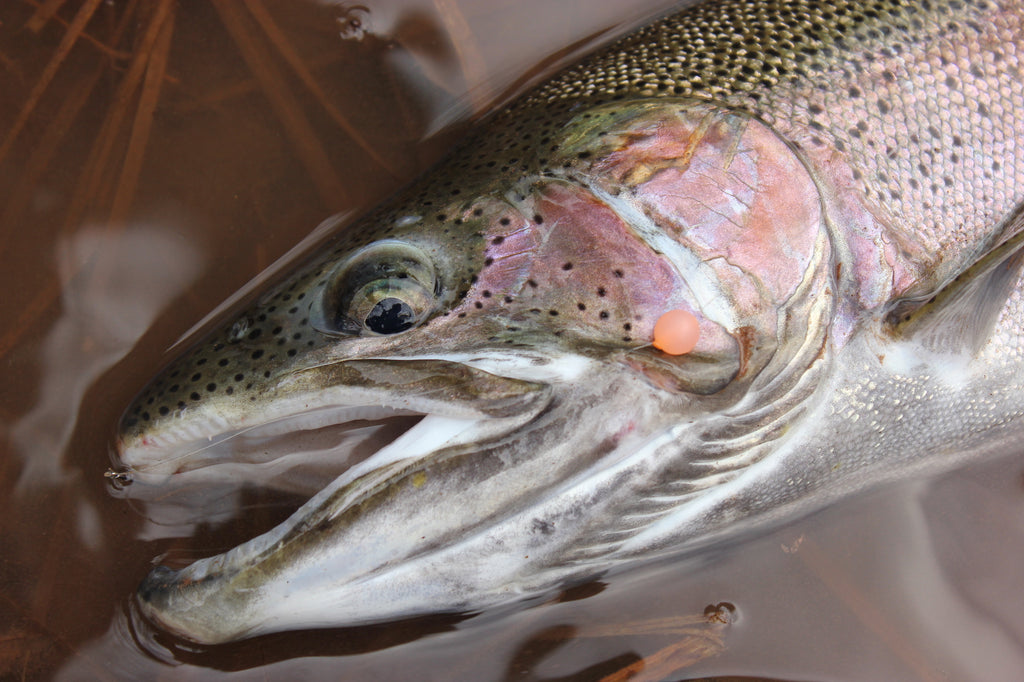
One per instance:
(385, 288)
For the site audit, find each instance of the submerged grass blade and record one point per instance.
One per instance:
(43, 82)
(288, 53)
(155, 71)
(44, 12)
(39, 162)
(99, 166)
(296, 125)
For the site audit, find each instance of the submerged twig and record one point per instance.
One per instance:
(63, 49)
(693, 648)
(288, 53)
(21, 197)
(242, 88)
(44, 12)
(88, 189)
(296, 126)
(155, 71)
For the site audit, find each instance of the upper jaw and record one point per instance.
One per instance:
(316, 399)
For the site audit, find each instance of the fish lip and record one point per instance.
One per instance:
(155, 457)
(182, 457)
(167, 597)
(173, 599)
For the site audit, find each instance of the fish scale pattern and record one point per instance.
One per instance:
(918, 98)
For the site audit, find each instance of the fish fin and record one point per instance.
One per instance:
(960, 315)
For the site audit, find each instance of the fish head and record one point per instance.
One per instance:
(506, 315)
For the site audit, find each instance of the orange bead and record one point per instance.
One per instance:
(676, 332)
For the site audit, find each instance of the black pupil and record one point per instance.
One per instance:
(390, 316)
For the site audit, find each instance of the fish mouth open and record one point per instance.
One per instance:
(354, 459)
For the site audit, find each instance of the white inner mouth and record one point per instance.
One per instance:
(298, 454)
(308, 454)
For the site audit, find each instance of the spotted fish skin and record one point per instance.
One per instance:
(798, 175)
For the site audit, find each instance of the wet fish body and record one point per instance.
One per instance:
(833, 190)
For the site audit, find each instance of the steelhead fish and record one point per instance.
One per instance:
(832, 189)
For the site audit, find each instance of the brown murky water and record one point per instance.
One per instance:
(156, 154)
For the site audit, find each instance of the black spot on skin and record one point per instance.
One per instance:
(542, 527)
(539, 219)
(618, 273)
(239, 377)
(531, 284)
(223, 362)
(229, 390)
(256, 354)
(201, 361)
(478, 305)
(567, 267)
(164, 410)
(255, 334)
(488, 261)
(292, 352)
(603, 315)
(197, 376)
(194, 395)
(211, 387)
(553, 313)
(499, 239)
(581, 306)
(601, 292)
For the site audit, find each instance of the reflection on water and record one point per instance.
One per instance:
(156, 155)
(112, 286)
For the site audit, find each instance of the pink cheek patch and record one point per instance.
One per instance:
(563, 261)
